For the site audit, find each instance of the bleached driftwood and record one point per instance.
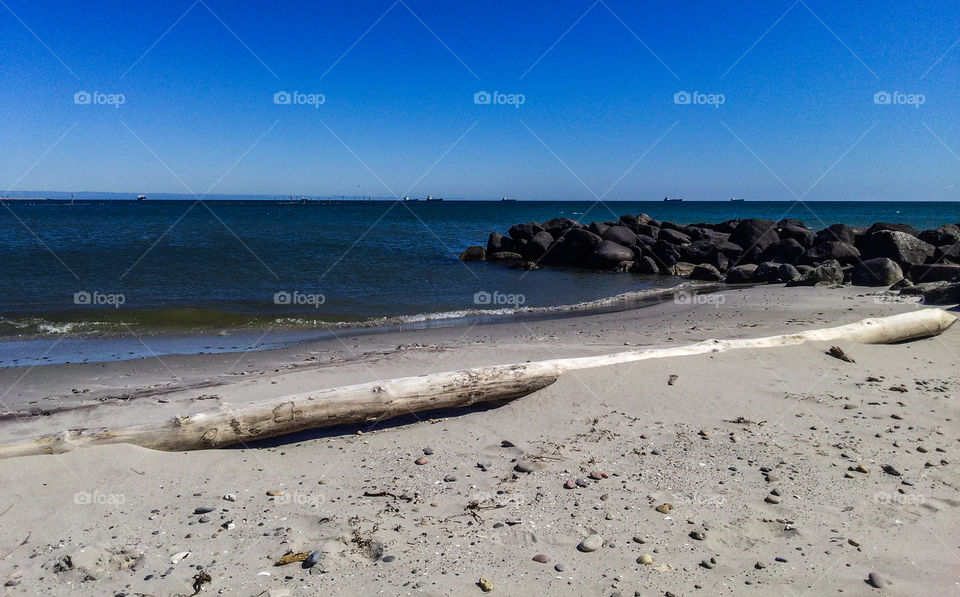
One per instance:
(241, 423)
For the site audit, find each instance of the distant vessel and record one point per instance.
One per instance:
(431, 198)
(673, 198)
(736, 199)
(409, 199)
(140, 197)
(505, 199)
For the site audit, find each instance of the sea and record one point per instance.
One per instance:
(105, 280)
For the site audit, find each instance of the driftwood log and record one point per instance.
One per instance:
(381, 400)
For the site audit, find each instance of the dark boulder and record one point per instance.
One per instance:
(784, 222)
(609, 255)
(879, 226)
(948, 253)
(944, 235)
(785, 250)
(647, 229)
(682, 268)
(598, 228)
(498, 242)
(768, 272)
(903, 248)
(706, 272)
(879, 271)
(788, 273)
(629, 221)
(474, 253)
(674, 237)
(620, 235)
(573, 248)
(727, 227)
(504, 256)
(825, 251)
(645, 241)
(557, 226)
(937, 272)
(654, 223)
(665, 225)
(526, 231)
(645, 265)
(754, 233)
(840, 233)
(829, 272)
(665, 254)
(948, 294)
(803, 236)
(741, 274)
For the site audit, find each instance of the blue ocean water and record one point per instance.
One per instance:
(90, 268)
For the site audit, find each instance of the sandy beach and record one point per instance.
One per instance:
(786, 471)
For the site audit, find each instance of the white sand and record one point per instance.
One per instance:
(99, 521)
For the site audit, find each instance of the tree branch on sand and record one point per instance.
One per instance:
(379, 400)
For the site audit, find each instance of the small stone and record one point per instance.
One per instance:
(274, 493)
(204, 519)
(582, 483)
(861, 469)
(427, 452)
(595, 475)
(759, 565)
(645, 559)
(180, 555)
(876, 580)
(388, 559)
(780, 559)
(312, 559)
(703, 433)
(203, 510)
(638, 539)
(591, 543)
(485, 585)
(230, 497)
(888, 468)
(707, 564)
(569, 484)
(449, 479)
(922, 449)
(559, 567)
(420, 461)
(853, 542)
(697, 535)
(772, 499)
(541, 558)
(664, 508)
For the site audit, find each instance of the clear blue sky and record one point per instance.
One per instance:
(598, 79)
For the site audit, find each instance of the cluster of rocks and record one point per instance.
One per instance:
(740, 251)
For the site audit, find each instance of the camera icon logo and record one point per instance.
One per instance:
(681, 98)
(482, 298)
(81, 298)
(281, 98)
(282, 298)
(481, 98)
(81, 98)
(881, 98)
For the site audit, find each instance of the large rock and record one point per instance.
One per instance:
(845, 253)
(525, 231)
(706, 272)
(474, 253)
(598, 228)
(767, 271)
(741, 274)
(788, 273)
(879, 226)
(903, 248)
(647, 229)
(620, 235)
(573, 248)
(948, 253)
(498, 243)
(665, 254)
(504, 256)
(828, 273)
(944, 235)
(948, 294)
(557, 226)
(645, 265)
(938, 272)
(785, 250)
(674, 237)
(880, 271)
(837, 233)
(537, 246)
(754, 233)
(803, 236)
(609, 255)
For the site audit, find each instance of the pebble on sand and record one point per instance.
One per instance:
(274, 493)
(697, 535)
(420, 461)
(645, 559)
(569, 484)
(485, 585)
(876, 580)
(591, 543)
(664, 508)
(542, 558)
(529, 466)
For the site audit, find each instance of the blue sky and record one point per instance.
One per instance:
(599, 119)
